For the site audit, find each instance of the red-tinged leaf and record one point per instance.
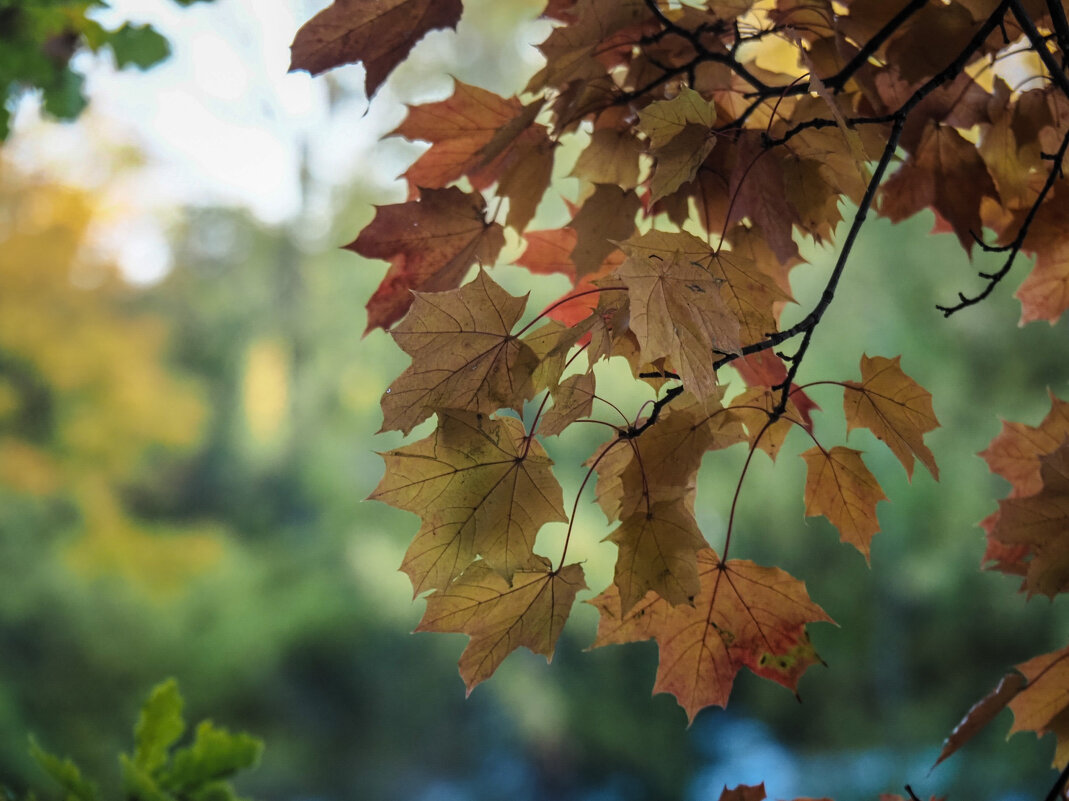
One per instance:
(380, 33)
(758, 187)
(766, 369)
(525, 176)
(572, 399)
(482, 488)
(549, 252)
(658, 552)
(430, 244)
(744, 792)
(1014, 454)
(745, 616)
(499, 617)
(982, 713)
(464, 355)
(458, 128)
(895, 408)
(946, 173)
(840, 487)
(1040, 522)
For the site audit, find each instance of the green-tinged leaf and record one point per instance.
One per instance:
(139, 45)
(159, 726)
(215, 754)
(65, 773)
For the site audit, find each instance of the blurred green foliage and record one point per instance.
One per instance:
(157, 770)
(39, 38)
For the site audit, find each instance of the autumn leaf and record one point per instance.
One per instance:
(895, 408)
(1015, 453)
(500, 617)
(840, 487)
(464, 355)
(482, 487)
(946, 173)
(745, 616)
(658, 552)
(1041, 523)
(1044, 295)
(662, 464)
(572, 399)
(1040, 706)
(754, 409)
(460, 128)
(380, 33)
(677, 311)
(606, 216)
(430, 244)
(766, 369)
(982, 713)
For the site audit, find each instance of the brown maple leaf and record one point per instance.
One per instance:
(745, 616)
(895, 408)
(464, 355)
(482, 487)
(1040, 522)
(677, 311)
(380, 33)
(1015, 452)
(982, 713)
(1041, 705)
(430, 244)
(840, 487)
(500, 617)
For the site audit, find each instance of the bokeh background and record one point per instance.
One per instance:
(187, 433)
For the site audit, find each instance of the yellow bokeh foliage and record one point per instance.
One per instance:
(85, 390)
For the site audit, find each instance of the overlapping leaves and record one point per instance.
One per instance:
(704, 155)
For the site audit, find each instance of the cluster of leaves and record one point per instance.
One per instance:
(715, 135)
(157, 770)
(38, 39)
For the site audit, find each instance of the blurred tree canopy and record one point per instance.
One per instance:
(38, 39)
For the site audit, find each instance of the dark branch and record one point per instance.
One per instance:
(1057, 74)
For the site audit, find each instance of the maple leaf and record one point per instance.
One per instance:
(840, 487)
(1041, 523)
(754, 408)
(380, 33)
(1044, 295)
(766, 369)
(1041, 705)
(464, 355)
(677, 311)
(658, 552)
(500, 617)
(662, 464)
(895, 408)
(1015, 452)
(605, 216)
(430, 244)
(461, 129)
(747, 293)
(611, 158)
(573, 398)
(482, 487)
(745, 616)
(946, 173)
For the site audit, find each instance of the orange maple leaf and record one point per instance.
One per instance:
(500, 617)
(745, 616)
(895, 408)
(840, 487)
